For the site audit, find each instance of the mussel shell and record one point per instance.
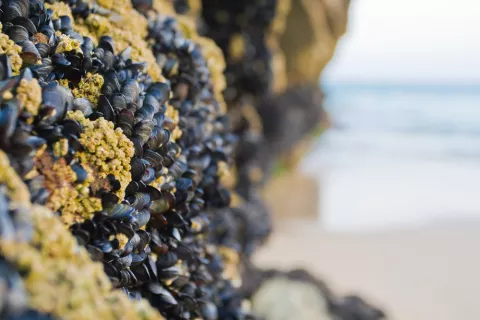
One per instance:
(138, 167)
(14, 9)
(131, 91)
(141, 200)
(154, 159)
(84, 105)
(162, 205)
(161, 294)
(17, 33)
(5, 67)
(80, 173)
(166, 261)
(160, 90)
(125, 121)
(111, 84)
(25, 23)
(29, 54)
(142, 218)
(65, 24)
(105, 108)
(8, 118)
(120, 211)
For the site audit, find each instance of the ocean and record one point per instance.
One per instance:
(398, 156)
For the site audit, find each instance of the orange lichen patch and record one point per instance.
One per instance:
(29, 93)
(59, 9)
(61, 280)
(89, 87)
(13, 51)
(107, 150)
(67, 44)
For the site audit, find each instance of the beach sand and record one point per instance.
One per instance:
(426, 273)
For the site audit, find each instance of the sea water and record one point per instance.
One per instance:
(398, 156)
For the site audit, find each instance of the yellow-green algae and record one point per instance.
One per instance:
(12, 50)
(29, 93)
(58, 275)
(89, 87)
(107, 150)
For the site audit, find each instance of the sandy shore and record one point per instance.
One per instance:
(427, 273)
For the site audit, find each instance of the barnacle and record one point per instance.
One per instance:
(12, 50)
(74, 201)
(52, 263)
(16, 189)
(30, 95)
(59, 9)
(107, 150)
(67, 44)
(89, 87)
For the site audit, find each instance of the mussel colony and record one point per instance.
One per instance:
(114, 147)
(126, 189)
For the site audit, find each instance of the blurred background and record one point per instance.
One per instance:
(387, 198)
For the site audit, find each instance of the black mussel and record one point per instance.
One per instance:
(148, 176)
(125, 121)
(140, 200)
(13, 9)
(160, 91)
(8, 118)
(5, 67)
(84, 105)
(161, 295)
(56, 101)
(166, 202)
(131, 91)
(143, 130)
(111, 84)
(154, 159)
(119, 102)
(105, 108)
(29, 54)
(138, 168)
(166, 261)
(120, 211)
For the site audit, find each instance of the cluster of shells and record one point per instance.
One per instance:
(114, 152)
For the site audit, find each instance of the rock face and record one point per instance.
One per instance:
(313, 28)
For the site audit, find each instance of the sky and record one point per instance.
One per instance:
(410, 41)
